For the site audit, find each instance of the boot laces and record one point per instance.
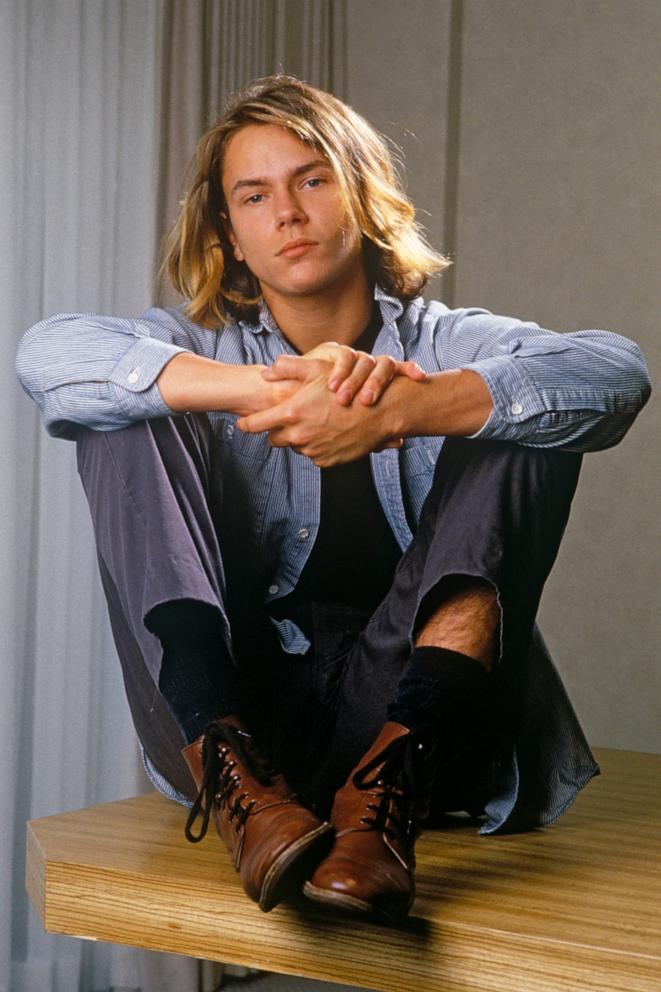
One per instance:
(401, 784)
(223, 747)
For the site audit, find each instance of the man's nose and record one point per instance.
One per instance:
(288, 209)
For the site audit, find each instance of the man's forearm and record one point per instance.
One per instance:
(190, 383)
(456, 402)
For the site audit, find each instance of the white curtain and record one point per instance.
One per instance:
(101, 102)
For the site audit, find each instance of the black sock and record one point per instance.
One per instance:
(441, 689)
(197, 677)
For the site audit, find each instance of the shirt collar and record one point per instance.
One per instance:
(391, 310)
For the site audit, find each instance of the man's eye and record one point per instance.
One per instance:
(315, 180)
(255, 198)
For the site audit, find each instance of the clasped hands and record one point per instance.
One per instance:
(327, 404)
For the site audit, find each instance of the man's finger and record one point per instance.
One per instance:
(412, 370)
(394, 442)
(377, 382)
(386, 369)
(343, 366)
(361, 371)
(327, 350)
(278, 438)
(292, 367)
(285, 437)
(265, 420)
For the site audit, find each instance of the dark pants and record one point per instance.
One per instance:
(495, 511)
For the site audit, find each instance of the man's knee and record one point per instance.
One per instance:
(170, 443)
(473, 455)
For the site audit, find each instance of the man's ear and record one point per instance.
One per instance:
(231, 237)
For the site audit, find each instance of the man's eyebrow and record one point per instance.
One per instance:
(298, 171)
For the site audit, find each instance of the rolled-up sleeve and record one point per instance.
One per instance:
(101, 372)
(580, 390)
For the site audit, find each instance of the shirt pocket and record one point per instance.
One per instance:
(236, 442)
(418, 456)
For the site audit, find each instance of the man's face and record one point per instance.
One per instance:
(287, 220)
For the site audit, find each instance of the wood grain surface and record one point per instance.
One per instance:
(575, 907)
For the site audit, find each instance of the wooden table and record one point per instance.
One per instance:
(576, 906)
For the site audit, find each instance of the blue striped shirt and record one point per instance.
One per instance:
(578, 391)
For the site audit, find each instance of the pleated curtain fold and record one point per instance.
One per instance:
(101, 104)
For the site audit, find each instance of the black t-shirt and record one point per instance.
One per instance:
(355, 553)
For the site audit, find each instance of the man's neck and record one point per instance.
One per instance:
(338, 314)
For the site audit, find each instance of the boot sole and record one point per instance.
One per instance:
(349, 904)
(286, 875)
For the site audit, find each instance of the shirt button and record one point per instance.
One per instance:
(230, 430)
(133, 376)
(273, 590)
(303, 533)
(516, 409)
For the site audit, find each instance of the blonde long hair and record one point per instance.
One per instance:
(198, 257)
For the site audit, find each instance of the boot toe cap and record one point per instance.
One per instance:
(361, 884)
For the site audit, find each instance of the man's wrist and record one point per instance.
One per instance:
(191, 383)
(456, 402)
(394, 408)
(253, 393)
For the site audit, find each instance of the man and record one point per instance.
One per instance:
(325, 512)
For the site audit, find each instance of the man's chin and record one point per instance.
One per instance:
(299, 288)
(311, 279)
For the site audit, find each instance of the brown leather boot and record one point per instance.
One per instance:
(274, 841)
(376, 815)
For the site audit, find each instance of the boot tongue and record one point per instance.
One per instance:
(208, 764)
(402, 767)
(389, 732)
(396, 747)
(241, 743)
(384, 766)
(192, 753)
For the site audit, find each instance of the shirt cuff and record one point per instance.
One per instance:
(140, 366)
(514, 396)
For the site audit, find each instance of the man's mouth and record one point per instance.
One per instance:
(295, 248)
